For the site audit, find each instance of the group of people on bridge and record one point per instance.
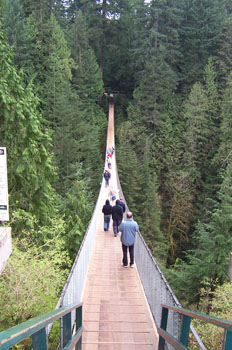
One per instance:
(128, 228)
(109, 155)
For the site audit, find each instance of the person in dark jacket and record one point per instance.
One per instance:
(117, 215)
(123, 205)
(107, 211)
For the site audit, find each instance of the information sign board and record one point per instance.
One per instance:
(4, 206)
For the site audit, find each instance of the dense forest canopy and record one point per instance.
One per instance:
(169, 63)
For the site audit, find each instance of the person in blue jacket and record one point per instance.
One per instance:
(128, 230)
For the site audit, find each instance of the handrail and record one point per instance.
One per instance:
(36, 327)
(188, 315)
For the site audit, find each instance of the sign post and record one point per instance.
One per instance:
(4, 205)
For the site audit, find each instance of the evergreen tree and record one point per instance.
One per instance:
(87, 78)
(20, 36)
(223, 157)
(77, 209)
(225, 52)
(201, 29)
(140, 37)
(164, 19)
(61, 104)
(154, 89)
(28, 141)
(209, 172)
(157, 39)
(197, 134)
(90, 120)
(208, 263)
(140, 190)
(175, 187)
(40, 9)
(118, 73)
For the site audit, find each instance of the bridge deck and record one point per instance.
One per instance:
(115, 312)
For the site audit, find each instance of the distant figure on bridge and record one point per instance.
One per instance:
(109, 164)
(113, 193)
(117, 215)
(107, 211)
(111, 99)
(108, 150)
(108, 155)
(112, 150)
(107, 176)
(128, 230)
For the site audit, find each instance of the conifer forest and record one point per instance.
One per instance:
(169, 64)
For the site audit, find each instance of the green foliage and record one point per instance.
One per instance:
(174, 157)
(219, 304)
(223, 156)
(140, 190)
(208, 264)
(34, 277)
(197, 132)
(225, 52)
(154, 89)
(87, 77)
(77, 209)
(202, 115)
(178, 207)
(56, 88)
(20, 36)
(201, 30)
(24, 133)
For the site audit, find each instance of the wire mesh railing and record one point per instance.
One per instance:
(73, 289)
(74, 286)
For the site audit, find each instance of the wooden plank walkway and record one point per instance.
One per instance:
(115, 311)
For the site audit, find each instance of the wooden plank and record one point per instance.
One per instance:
(171, 340)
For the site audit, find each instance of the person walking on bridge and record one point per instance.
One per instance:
(117, 215)
(113, 193)
(122, 205)
(107, 177)
(128, 230)
(107, 211)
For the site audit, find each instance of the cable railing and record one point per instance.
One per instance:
(74, 286)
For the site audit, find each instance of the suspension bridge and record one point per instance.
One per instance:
(104, 306)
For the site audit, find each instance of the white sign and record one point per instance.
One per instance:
(4, 206)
